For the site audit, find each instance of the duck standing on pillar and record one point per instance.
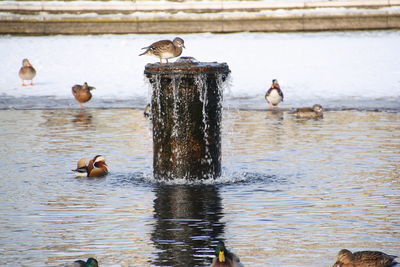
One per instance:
(274, 94)
(26, 72)
(165, 49)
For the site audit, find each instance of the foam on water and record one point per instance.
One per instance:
(227, 178)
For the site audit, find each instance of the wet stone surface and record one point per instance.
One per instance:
(186, 115)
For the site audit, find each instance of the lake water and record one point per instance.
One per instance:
(293, 191)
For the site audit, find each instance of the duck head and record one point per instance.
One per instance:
(275, 83)
(179, 42)
(99, 161)
(221, 252)
(317, 108)
(101, 164)
(99, 167)
(26, 63)
(344, 258)
(92, 262)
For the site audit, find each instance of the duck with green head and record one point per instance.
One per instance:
(225, 258)
(91, 262)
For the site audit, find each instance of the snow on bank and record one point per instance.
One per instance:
(311, 67)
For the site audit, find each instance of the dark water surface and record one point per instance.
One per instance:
(293, 193)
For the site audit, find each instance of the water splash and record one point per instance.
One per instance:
(227, 178)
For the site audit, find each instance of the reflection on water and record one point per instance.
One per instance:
(83, 118)
(187, 221)
(293, 191)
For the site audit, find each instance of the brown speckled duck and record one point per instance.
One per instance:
(315, 112)
(274, 94)
(97, 167)
(165, 49)
(26, 72)
(224, 258)
(346, 258)
(82, 93)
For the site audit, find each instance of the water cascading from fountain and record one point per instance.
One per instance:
(186, 107)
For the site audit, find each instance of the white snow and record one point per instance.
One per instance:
(328, 68)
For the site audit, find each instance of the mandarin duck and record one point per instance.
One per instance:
(96, 167)
(26, 72)
(165, 49)
(274, 94)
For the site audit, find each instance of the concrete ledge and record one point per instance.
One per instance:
(269, 20)
(307, 23)
(197, 7)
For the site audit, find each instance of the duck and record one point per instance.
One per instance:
(27, 72)
(274, 94)
(346, 258)
(165, 49)
(224, 258)
(314, 112)
(82, 93)
(91, 262)
(147, 111)
(96, 167)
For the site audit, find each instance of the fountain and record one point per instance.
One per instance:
(186, 114)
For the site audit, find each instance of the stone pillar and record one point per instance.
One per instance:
(186, 110)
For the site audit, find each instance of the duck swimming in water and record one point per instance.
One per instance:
(96, 167)
(346, 258)
(224, 258)
(314, 112)
(91, 262)
(26, 72)
(274, 94)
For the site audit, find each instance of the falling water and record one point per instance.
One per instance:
(186, 107)
(201, 82)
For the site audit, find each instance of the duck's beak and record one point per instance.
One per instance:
(221, 256)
